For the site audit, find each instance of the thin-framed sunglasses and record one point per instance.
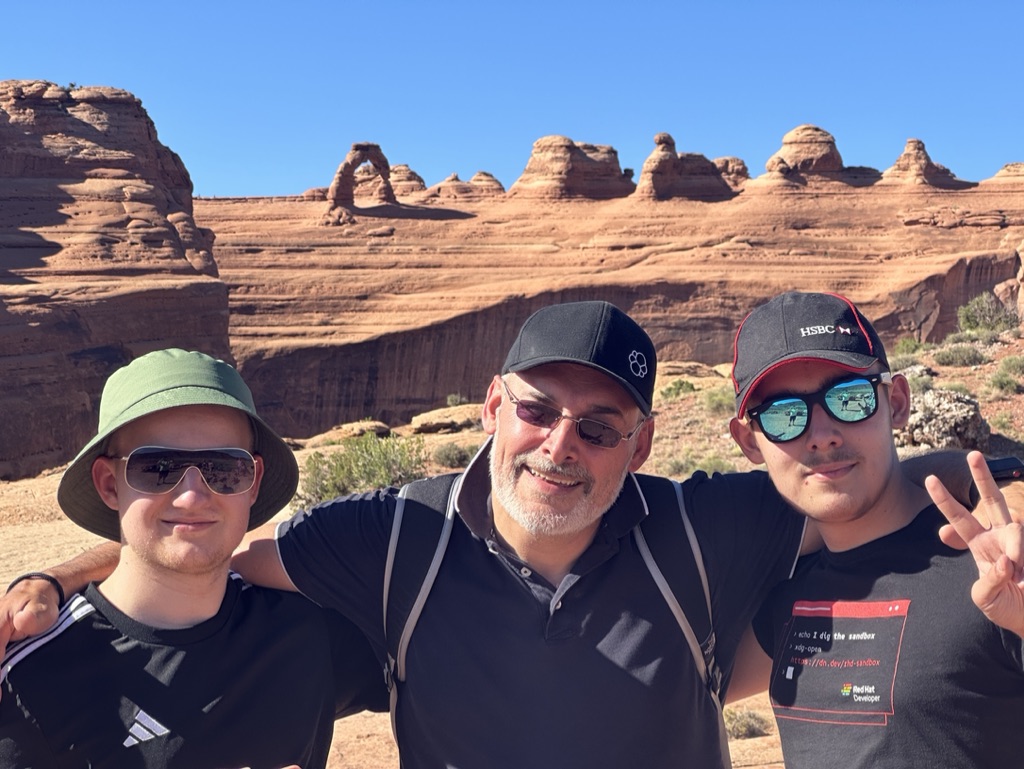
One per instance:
(852, 399)
(158, 469)
(590, 431)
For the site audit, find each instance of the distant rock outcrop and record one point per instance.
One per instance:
(342, 192)
(561, 168)
(666, 174)
(482, 185)
(806, 150)
(914, 166)
(101, 260)
(405, 181)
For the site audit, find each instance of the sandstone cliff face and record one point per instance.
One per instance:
(405, 303)
(100, 260)
(561, 168)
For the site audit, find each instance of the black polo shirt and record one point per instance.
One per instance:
(507, 670)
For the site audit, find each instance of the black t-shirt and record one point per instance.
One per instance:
(257, 685)
(881, 660)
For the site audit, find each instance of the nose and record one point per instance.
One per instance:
(562, 441)
(192, 482)
(822, 430)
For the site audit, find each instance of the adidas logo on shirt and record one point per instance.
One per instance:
(143, 729)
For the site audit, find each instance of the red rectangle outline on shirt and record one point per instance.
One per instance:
(860, 610)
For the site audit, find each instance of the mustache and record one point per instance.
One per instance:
(831, 458)
(543, 465)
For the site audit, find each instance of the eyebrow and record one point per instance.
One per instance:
(594, 410)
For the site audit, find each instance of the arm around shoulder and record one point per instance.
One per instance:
(258, 561)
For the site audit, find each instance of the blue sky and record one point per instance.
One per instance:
(264, 98)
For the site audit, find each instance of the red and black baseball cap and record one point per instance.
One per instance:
(799, 326)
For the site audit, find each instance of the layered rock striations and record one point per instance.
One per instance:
(100, 260)
(562, 168)
(409, 302)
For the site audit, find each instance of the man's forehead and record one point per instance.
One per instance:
(581, 380)
(799, 376)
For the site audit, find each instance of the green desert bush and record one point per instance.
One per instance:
(960, 355)
(986, 313)
(957, 387)
(452, 455)
(743, 724)
(907, 346)
(676, 388)
(1013, 365)
(719, 401)
(900, 362)
(920, 384)
(1005, 383)
(455, 399)
(363, 464)
(687, 464)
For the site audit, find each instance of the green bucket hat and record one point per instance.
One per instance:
(162, 380)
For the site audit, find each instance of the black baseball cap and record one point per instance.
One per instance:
(799, 326)
(594, 334)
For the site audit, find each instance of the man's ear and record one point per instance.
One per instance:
(489, 415)
(104, 478)
(899, 400)
(644, 443)
(743, 434)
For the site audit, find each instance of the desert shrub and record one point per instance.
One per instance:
(719, 401)
(743, 724)
(676, 388)
(986, 313)
(1012, 364)
(363, 464)
(1004, 382)
(907, 346)
(957, 387)
(1001, 423)
(452, 455)
(960, 355)
(687, 464)
(920, 384)
(980, 336)
(900, 362)
(456, 399)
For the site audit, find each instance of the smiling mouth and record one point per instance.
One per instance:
(565, 484)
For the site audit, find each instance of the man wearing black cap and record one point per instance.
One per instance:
(880, 657)
(545, 640)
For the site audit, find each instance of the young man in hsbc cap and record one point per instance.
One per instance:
(545, 640)
(880, 657)
(171, 661)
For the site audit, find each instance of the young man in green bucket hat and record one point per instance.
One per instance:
(173, 661)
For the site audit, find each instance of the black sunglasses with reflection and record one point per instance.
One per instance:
(785, 417)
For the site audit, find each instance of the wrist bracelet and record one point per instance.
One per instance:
(40, 575)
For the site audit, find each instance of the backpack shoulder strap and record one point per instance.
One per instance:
(424, 516)
(659, 538)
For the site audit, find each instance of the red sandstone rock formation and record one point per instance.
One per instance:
(482, 185)
(806, 150)
(914, 166)
(561, 168)
(387, 316)
(341, 193)
(100, 260)
(666, 174)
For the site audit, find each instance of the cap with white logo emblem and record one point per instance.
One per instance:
(802, 326)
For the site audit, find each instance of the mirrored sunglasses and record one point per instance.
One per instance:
(590, 430)
(785, 417)
(158, 469)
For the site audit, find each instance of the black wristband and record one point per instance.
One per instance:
(1004, 469)
(40, 575)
